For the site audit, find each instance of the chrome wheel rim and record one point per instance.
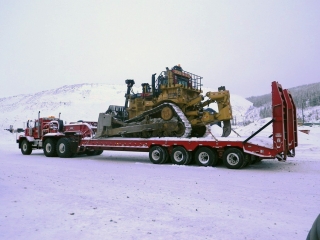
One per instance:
(178, 156)
(233, 159)
(62, 148)
(204, 158)
(48, 147)
(156, 155)
(24, 147)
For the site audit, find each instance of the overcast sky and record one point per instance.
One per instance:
(244, 45)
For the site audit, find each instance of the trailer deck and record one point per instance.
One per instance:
(281, 144)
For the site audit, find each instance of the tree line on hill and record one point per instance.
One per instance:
(304, 96)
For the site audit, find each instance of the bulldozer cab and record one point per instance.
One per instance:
(176, 77)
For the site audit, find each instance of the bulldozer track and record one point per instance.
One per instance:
(179, 114)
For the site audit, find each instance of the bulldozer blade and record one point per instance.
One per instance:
(226, 128)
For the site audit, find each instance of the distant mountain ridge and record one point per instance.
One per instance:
(306, 98)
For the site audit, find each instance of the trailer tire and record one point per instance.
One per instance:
(90, 152)
(233, 158)
(93, 152)
(64, 148)
(26, 148)
(166, 159)
(180, 156)
(190, 158)
(206, 157)
(98, 152)
(247, 160)
(158, 155)
(255, 159)
(49, 147)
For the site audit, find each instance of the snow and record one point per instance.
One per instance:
(121, 195)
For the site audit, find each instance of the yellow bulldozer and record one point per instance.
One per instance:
(172, 106)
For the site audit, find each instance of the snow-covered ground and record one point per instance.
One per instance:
(121, 195)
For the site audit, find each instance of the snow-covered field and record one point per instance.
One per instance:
(121, 195)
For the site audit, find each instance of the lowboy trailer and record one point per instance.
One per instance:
(235, 152)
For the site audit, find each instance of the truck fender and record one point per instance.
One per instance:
(30, 139)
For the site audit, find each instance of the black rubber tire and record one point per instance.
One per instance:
(252, 159)
(90, 152)
(247, 160)
(64, 148)
(26, 148)
(190, 159)
(158, 155)
(98, 152)
(166, 157)
(255, 159)
(233, 158)
(93, 152)
(205, 156)
(49, 147)
(180, 156)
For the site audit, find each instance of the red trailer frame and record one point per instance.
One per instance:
(235, 152)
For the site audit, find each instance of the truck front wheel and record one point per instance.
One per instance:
(26, 147)
(64, 148)
(49, 147)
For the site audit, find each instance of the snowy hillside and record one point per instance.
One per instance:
(74, 102)
(306, 115)
(306, 98)
(80, 101)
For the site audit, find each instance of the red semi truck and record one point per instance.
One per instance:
(57, 139)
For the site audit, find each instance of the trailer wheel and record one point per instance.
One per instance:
(246, 160)
(93, 152)
(90, 152)
(98, 152)
(190, 158)
(64, 148)
(255, 159)
(206, 157)
(166, 156)
(233, 158)
(26, 147)
(158, 155)
(49, 147)
(180, 156)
